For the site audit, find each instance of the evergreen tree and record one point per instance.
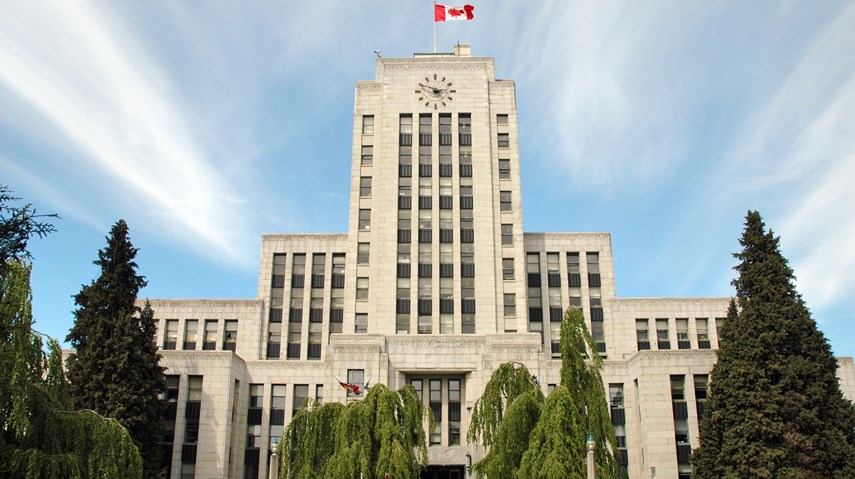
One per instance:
(529, 437)
(775, 408)
(115, 368)
(18, 224)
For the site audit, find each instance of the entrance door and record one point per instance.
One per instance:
(443, 472)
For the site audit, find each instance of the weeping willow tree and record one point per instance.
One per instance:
(41, 437)
(383, 433)
(529, 436)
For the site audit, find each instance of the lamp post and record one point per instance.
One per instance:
(273, 473)
(592, 465)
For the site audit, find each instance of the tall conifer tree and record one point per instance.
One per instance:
(775, 408)
(115, 368)
(41, 437)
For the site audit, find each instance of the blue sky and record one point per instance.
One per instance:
(206, 124)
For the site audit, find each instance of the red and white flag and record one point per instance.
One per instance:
(446, 13)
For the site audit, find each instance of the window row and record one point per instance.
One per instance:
(680, 327)
(210, 334)
(298, 270)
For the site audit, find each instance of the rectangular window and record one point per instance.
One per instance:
(616, 407)
(504, 169)
(641, 334)
(435, 403)
(464, 129)
(367, 155)
(315, 338)
(253, 430)
(425, 324)
(365, 187)
(364, 220)
(425, 137)
(361, 323)
(274, 338)
(170, 337)
(507, 269)
(701, 381)
(702, 326)
(593, 260)
(502, 119)
(555, 338)
(301, 393)
(278, 280)
(678, 392)
(319, 393)
(298, 271)
(191, 332)
(363, 253)
(405, 125)
(574, 279)
(446, 323)
(719, 323)
(616, 395)
(507, 234)
(367, 124)
(504, 140)
(209, 343)
(505, 201)
(467, 324)
(355, 377)
(230, 335)
(402, 323)
(336, 310)
(510, 304)
(277, 410)
(683, 333)
(318, 265)
(192, 412)
(454, 400)
(662, 339)
(444, 130)
(362, 289)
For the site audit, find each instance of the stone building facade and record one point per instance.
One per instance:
(435, 284)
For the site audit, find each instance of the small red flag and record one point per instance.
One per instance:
(447, 13)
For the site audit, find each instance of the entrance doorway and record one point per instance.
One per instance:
(444, 472)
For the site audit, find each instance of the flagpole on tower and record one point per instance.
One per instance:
(434, 27)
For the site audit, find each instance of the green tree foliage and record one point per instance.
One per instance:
(18, 224)
(41, 437)
(508, 382)
(115, 369)
(775, 408)
(511, 438)
(383, 433)
(532, 437)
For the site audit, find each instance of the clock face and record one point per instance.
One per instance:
(436, 91)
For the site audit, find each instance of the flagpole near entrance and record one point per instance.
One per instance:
(434, 27)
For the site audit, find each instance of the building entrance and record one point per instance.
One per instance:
(443, 472)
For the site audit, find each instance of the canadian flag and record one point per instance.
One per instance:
(445, 13)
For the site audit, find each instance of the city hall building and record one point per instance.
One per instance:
(435, 284)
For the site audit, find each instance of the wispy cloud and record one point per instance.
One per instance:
(75, 65)
(795, 157)
(607, 115)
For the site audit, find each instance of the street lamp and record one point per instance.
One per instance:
(592, 464)
(274, 458)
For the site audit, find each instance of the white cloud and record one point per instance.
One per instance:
(73, 64)
(607, 113)
(796, 157)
